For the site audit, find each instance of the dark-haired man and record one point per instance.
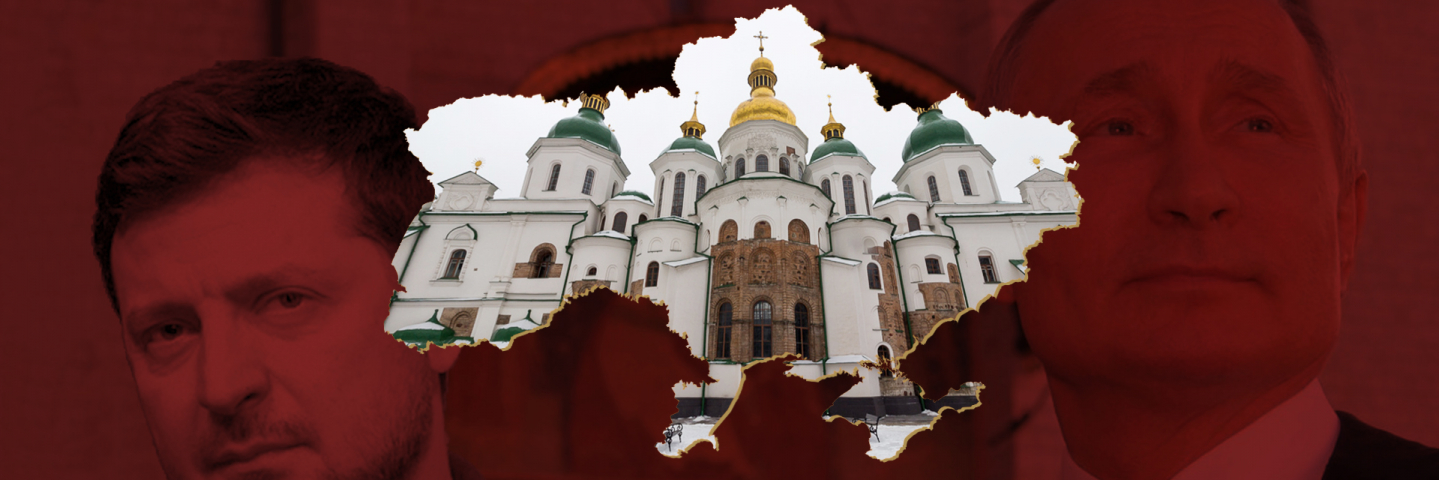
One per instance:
(247, 216)
(1184, 323)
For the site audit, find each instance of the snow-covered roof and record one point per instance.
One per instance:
(842, 261)
(425, 325)
(611, 234)
(1002, 214)
(917, 233)
(687, 261)
(849, 359)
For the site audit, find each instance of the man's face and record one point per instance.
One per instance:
(1213, 229)
(253, 320)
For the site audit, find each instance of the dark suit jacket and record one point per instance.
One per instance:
(1363, 452)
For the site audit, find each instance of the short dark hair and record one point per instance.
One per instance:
(207, 124)
(1346, 139)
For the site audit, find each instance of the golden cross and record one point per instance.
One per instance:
(761, 38)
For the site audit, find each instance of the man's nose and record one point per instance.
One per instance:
(233, 376)
(1192, 188)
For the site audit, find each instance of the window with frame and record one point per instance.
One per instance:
(456, 264)
(824, 187)
(933, 189)
(873, 271)
(884, 359)
(784, 165)
(620, 219)
(763, 339)
(848, 195)
(700, 186)
(660, 199)
(592, 272)
(931, 266)
(589, 182)
(554, 178)
(678, 207)
(964, 182)
(544, 260)
(761, 163)
(801, 330)
(724, 326)
(652, 274)
(866, 197)
(986, 268)
(739, 167)
(913, 222)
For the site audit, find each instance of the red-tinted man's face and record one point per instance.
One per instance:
(253, 319)
(1213, 229)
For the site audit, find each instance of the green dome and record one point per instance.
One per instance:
(506, 334)
(692, 143)
(934, 129)
(835, 146)
(588, 124)
(890, 195)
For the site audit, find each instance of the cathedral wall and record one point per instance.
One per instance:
(780, 272)
(574, 160)
(770, 138)
(945, 164)
(694, 165)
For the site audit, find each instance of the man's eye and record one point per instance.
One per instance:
(1258, 125)
(1119, 128)
(289, 299)
(166, 332)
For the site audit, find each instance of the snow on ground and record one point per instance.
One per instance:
(891, 439)
(692, 433)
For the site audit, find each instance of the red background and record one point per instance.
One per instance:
(73, 68)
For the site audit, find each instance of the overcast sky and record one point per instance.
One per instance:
(501, 129)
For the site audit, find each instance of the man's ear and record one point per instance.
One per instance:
(1351, 220)
(443, 358)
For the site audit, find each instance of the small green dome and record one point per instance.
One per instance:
(890, 195)
(588, 124)
(692, 143)
(835, 146)
(934, 129)
(506, 334)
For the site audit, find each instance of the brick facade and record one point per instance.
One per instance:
(582, 286)
(785, 274)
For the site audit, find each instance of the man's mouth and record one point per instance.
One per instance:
(240, 454)
(1190, 276)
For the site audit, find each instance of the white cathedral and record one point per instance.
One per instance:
(758, 248)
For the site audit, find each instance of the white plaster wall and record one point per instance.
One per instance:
(575, 157)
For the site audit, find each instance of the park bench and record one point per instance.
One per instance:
(674, 433)
(872, 422)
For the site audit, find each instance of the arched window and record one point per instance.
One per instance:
(761, 163)
(933, 189)
(739, 168)
(679, 204)
(761, 229)
(986, 268)
(931, 266)
(652, 274)
(763, 340)
(964, 182)
(589, 182)
(554, 178)
(660, 199)
(729, 231)
(457, 262)
(726, 323)
(801, 330)
(873, 271)
(848, 195)
(913, 222)
(620, 219)
(592, 272)
(824, 187)
(643, 218)
(784, 165)
(544, 260)
(884, 356)
(798, 231)
(700, 186)
(614, 190)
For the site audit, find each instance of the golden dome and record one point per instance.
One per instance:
(761, 63)
(761, 104)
